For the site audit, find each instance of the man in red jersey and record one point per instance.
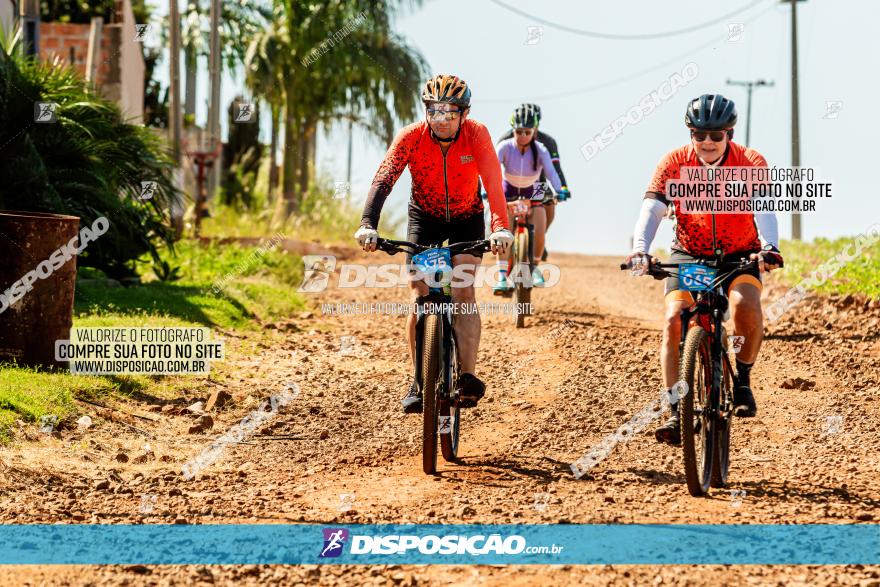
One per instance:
(447, 155)
(711, 119)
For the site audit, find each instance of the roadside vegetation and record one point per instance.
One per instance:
(859, 276)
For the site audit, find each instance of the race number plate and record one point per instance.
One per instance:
(433, 260)
(519, 207)
(696, 277)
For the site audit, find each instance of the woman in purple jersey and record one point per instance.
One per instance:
(523, 159)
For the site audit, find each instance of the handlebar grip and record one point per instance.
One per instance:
(624, 266)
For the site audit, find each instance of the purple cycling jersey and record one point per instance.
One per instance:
(521, 175)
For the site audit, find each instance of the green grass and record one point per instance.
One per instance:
(29, 394)
(858, 276)
(321, 217)
(226, 286)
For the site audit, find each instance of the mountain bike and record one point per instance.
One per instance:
(437, 361)
(706, 408)
(522, 258)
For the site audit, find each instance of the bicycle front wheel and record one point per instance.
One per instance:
(430, 391)
(450, 410)
(523, 294)
(697, 428)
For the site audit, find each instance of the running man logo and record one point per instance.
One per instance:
(533, 35)
(832, 109)
(47, 423)
(341, 189)
(445, 426)
(141, 31)
(735, 31)
(317, 272)
(334, 540)
(245, 112)
(44, 112)
(148, 190)
(539, 190)
(736, 342)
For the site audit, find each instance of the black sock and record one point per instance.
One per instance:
(742, 372)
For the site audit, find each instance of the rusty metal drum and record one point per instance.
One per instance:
(37, 282)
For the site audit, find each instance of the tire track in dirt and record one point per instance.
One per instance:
(584, 365)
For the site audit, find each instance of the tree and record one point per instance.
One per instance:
(339, 60)
(264, 76)
(240, 21)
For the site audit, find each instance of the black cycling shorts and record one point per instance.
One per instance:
(423, 229)
(751, 275)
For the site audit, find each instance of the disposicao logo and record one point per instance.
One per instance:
(334, 540)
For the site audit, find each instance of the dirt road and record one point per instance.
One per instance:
(343, 453)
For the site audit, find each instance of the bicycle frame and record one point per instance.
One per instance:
(708, 312)
(436, 299)
(521, 224)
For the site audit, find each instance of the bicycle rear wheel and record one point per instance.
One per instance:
(523, 294)
(449, 406)
(430, 391)
(699, 448)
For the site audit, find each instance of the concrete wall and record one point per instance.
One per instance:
(8, 10)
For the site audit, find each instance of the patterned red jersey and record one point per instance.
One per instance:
(735, 233)
(444, 186)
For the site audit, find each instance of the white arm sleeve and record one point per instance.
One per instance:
(646, 226)
(768, 229)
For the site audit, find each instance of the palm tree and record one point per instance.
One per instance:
(264, 77)
(240, 21)
(368, 75)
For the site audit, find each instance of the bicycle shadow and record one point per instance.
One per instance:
(501, 469)
(657, 477)
(806, 491)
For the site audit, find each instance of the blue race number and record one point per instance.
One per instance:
(696, 277)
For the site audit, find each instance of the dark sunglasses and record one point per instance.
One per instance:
(715, 135)
(434, 114)
(524, 131)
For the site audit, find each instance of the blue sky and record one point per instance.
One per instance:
(486, 45)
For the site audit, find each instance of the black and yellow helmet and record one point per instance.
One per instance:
(447, 88)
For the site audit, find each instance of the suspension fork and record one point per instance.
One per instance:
(717, 348)
(420, 340)
(448, 359)
(531, 228)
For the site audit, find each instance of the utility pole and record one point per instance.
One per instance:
(749, 86)
(214, 64)
(350, 141)
(795, 114)
(174, 126)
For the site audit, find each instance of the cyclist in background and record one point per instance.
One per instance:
(564, 193)
(523, 160)
(447, 155)
(710, 118)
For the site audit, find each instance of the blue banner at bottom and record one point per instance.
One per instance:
(586, 544)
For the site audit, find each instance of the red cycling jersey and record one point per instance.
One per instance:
(444, 186)
(735, 233)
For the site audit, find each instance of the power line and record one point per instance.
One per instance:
(620, 80)
(617, 37)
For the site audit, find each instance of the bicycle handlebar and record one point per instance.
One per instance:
(393, 247)
(659, 270)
